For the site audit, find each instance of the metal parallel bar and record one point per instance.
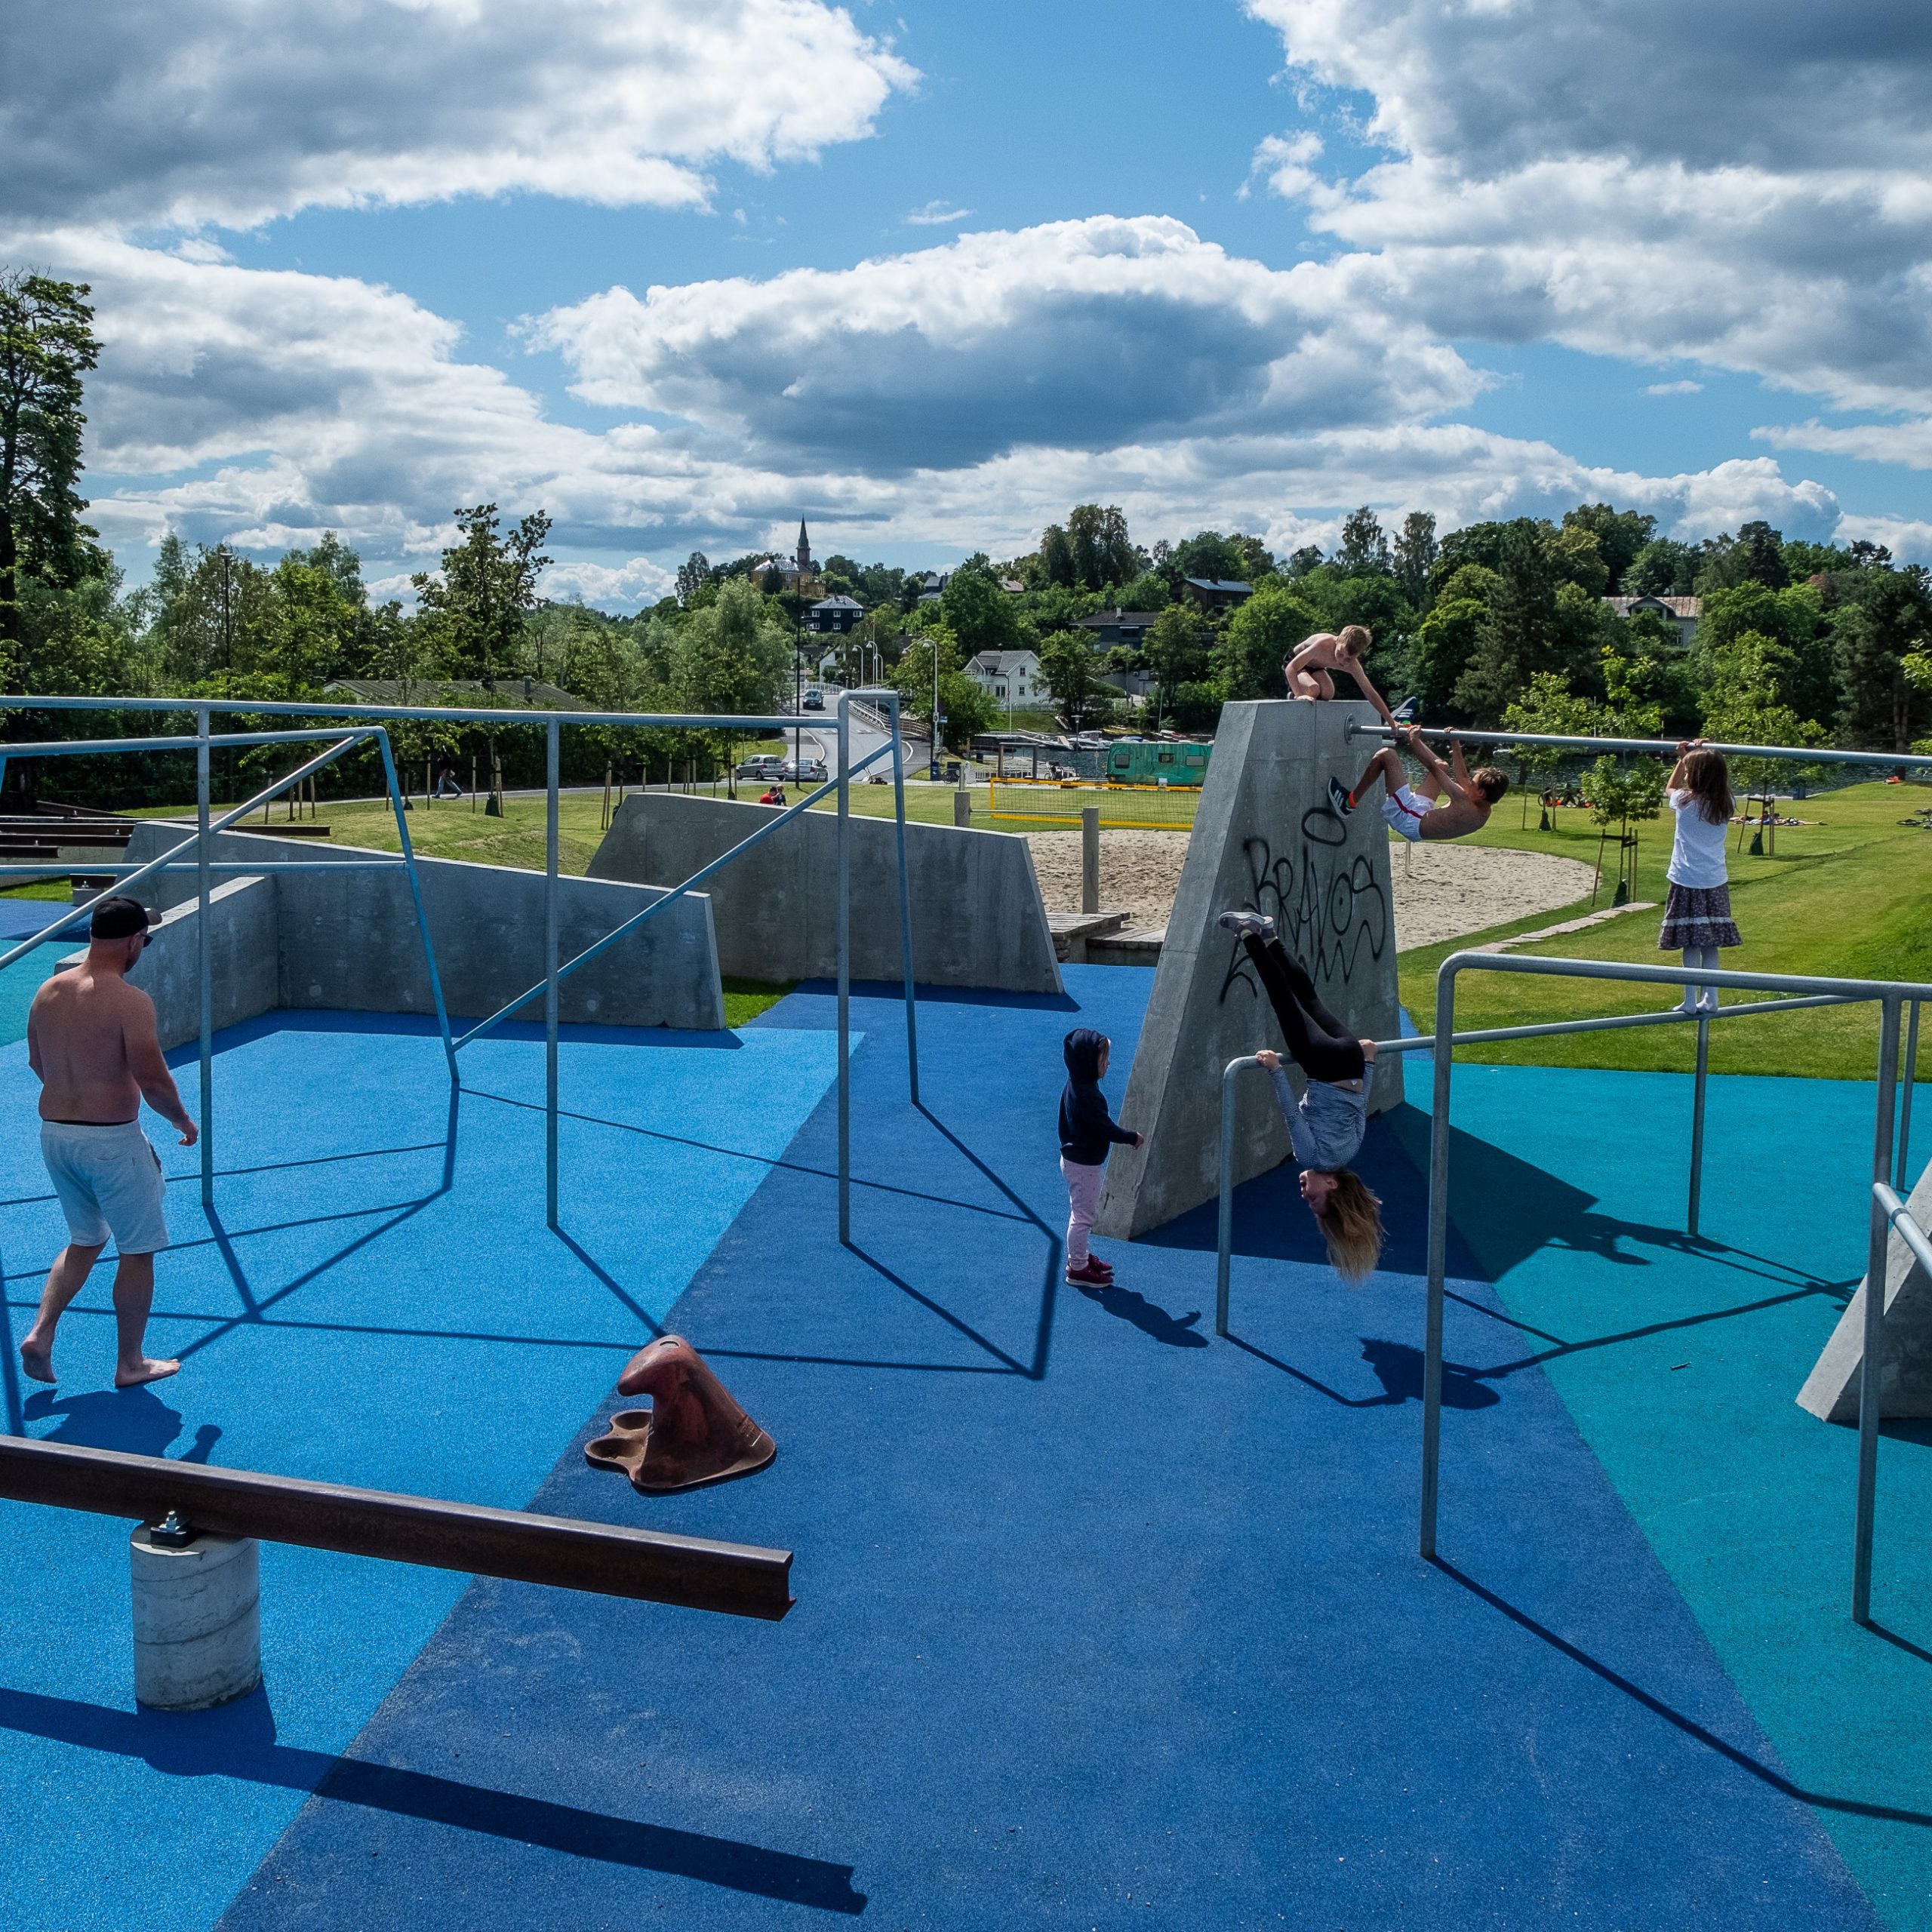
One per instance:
(221, 824)
(1438, 1256)
(1697, 1125)
(204, 958)
(1684, 976)
(88, 869)
(1613, 1022)
(657, 905)
(1899, 1214)
(1225, 1237)
(1901, 1167)
(400, 809)
(1658, 747)
(180, 741)
(1871, 1367)
(845, 964)
(905, 902)
(682, 721)
(736, 1579)
(552, 741)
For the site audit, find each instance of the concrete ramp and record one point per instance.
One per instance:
(1905, 1376)
(1265, 837)
(977, 918)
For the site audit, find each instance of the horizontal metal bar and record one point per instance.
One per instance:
(86, 870)
(1679, 976)
(674, 893)
(1425, 1043)
(738, 1579)
(1657, 747)
(1899, 1215)
(175, 741)
(677, 721)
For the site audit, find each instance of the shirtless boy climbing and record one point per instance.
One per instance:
(1310, 662)
(1415, 814)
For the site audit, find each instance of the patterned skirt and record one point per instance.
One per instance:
(1697, 915)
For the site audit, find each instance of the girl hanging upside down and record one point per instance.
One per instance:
(1327, 1124)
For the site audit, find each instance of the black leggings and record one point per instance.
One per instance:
(1320, 1045)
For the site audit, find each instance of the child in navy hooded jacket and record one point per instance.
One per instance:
(1087, 1131)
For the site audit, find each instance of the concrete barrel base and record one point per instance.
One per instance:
(197, 1624)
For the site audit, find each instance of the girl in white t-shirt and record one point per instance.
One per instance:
(1697, 916)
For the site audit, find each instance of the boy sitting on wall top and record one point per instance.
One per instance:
(1309, 664)
(1412, 815)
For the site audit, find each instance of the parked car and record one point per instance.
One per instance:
(804, 771)
(767, 765)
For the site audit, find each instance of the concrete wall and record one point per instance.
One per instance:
(1265, 837)
(348, 939)
(977, 919)
(245, 941)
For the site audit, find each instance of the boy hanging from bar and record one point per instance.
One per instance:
(1446, 804)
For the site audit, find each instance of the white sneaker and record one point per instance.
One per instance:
(1257, 923)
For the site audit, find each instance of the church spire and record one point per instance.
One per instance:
(804, 558)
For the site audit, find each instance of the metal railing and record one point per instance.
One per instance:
(1892, 996)
(736, 1579)
(1657, 747)
(1425, 1043)
(366, 724)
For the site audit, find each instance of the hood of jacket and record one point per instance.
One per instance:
(1082, 1054)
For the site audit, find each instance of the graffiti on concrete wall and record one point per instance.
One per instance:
(1325, 901)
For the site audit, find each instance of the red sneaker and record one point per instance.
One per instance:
(1088, 1276)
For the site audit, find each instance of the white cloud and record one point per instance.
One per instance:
(1638, 179)
(229, 111)
(1087, 333)
(637, 580)
(937, 214)
(1686, 387)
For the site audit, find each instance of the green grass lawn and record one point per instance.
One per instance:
(1850, 895)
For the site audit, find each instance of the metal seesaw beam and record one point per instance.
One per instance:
(735, 1579)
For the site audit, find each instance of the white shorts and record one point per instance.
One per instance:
(1404, 813)
(108, 1180)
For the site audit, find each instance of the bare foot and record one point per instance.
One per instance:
(150, 1370)
(38, 1362)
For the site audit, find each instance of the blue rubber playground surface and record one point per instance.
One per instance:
(1102, 1622)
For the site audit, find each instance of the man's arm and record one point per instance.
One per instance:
(141, 1045)
(1353, 666)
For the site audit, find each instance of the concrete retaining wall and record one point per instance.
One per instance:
(977, 919)
(348, 939)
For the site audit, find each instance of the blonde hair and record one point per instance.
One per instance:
(1351, 1224)
(1354, 639)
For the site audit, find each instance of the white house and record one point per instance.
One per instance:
(1010, 677)
(1683, 612)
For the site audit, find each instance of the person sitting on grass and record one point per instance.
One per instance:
(1326, 1126)
(1471, 796)
(1087, 1133)
(1309, 664)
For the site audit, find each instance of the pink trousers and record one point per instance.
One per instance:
(1083, 1201)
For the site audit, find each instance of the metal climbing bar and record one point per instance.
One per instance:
(1657, 747)
(1891, 996)
(735, 1579)
(656, 905)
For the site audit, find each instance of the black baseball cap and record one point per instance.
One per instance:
(117, 917)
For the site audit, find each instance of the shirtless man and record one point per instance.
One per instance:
(91, 1040)
(1413, 815)
(1308, 666)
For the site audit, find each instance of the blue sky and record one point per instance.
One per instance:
(1246, 266)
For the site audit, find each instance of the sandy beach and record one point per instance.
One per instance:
(1441, 890)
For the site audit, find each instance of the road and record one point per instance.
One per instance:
(819, 731)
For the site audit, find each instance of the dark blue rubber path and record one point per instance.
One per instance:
(1099, 1625)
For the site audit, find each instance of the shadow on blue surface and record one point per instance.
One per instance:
(134, 1420)
(237, 1740)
